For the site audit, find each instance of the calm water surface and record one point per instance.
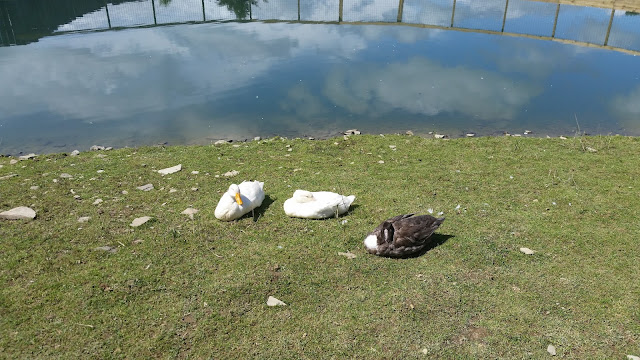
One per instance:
(197, 83)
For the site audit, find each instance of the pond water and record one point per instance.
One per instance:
(118, 75)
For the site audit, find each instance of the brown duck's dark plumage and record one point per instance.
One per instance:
(404, 235)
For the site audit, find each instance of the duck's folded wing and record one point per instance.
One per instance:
(398, 218)
(416, 230)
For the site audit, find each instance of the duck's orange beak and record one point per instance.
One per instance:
(238, 199)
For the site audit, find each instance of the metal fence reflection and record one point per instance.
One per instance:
(544, 19)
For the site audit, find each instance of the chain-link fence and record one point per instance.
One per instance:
(25, 21)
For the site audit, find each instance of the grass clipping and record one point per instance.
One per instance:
(192, 286)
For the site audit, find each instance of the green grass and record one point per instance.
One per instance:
(197, 288)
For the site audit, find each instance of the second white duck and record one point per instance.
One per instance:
(239, 200)
(317, 205)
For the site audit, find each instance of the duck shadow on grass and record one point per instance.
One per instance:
(436, 240)
(259, 212)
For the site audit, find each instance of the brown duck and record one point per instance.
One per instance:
(402, 235)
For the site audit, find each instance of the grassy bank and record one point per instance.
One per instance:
(177, 287)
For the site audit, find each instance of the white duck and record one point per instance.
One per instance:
(239, 200)
(317, 205)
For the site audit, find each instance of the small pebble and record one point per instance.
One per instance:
(139, 221)
(271, 301)
(170, 170)
(347, 254)
(146, 187)
(527, 251)
(106, 248)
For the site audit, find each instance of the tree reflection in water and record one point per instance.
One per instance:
(239, 7)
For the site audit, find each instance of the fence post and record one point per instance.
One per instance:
(298, 10)
(453, 12)
(153, 5)
(400, 10)
(340, 11)
(606, 39)
(204, 17)
(504, 19)
(555, 22)
(106, 7)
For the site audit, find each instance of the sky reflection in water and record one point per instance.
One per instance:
(197, 83)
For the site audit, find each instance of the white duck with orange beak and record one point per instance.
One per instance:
(239, 200)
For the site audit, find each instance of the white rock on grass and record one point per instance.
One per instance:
(139, 221)
(190, 212)
(98, 201)
(97, 148)
(527, 251)
(66, 176)
(107, 248)
(352, 132)
(35, 187)
(7, 176)
(19, 213)
(170, 170)
(633, 357)
(220, 142)
(551, 350)
(145, 187)
(271, 301)
(439, 136)
(75, 153)
(13, 161)
(348, 254)
(27, 157)
(84, 219)
(231, 173)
